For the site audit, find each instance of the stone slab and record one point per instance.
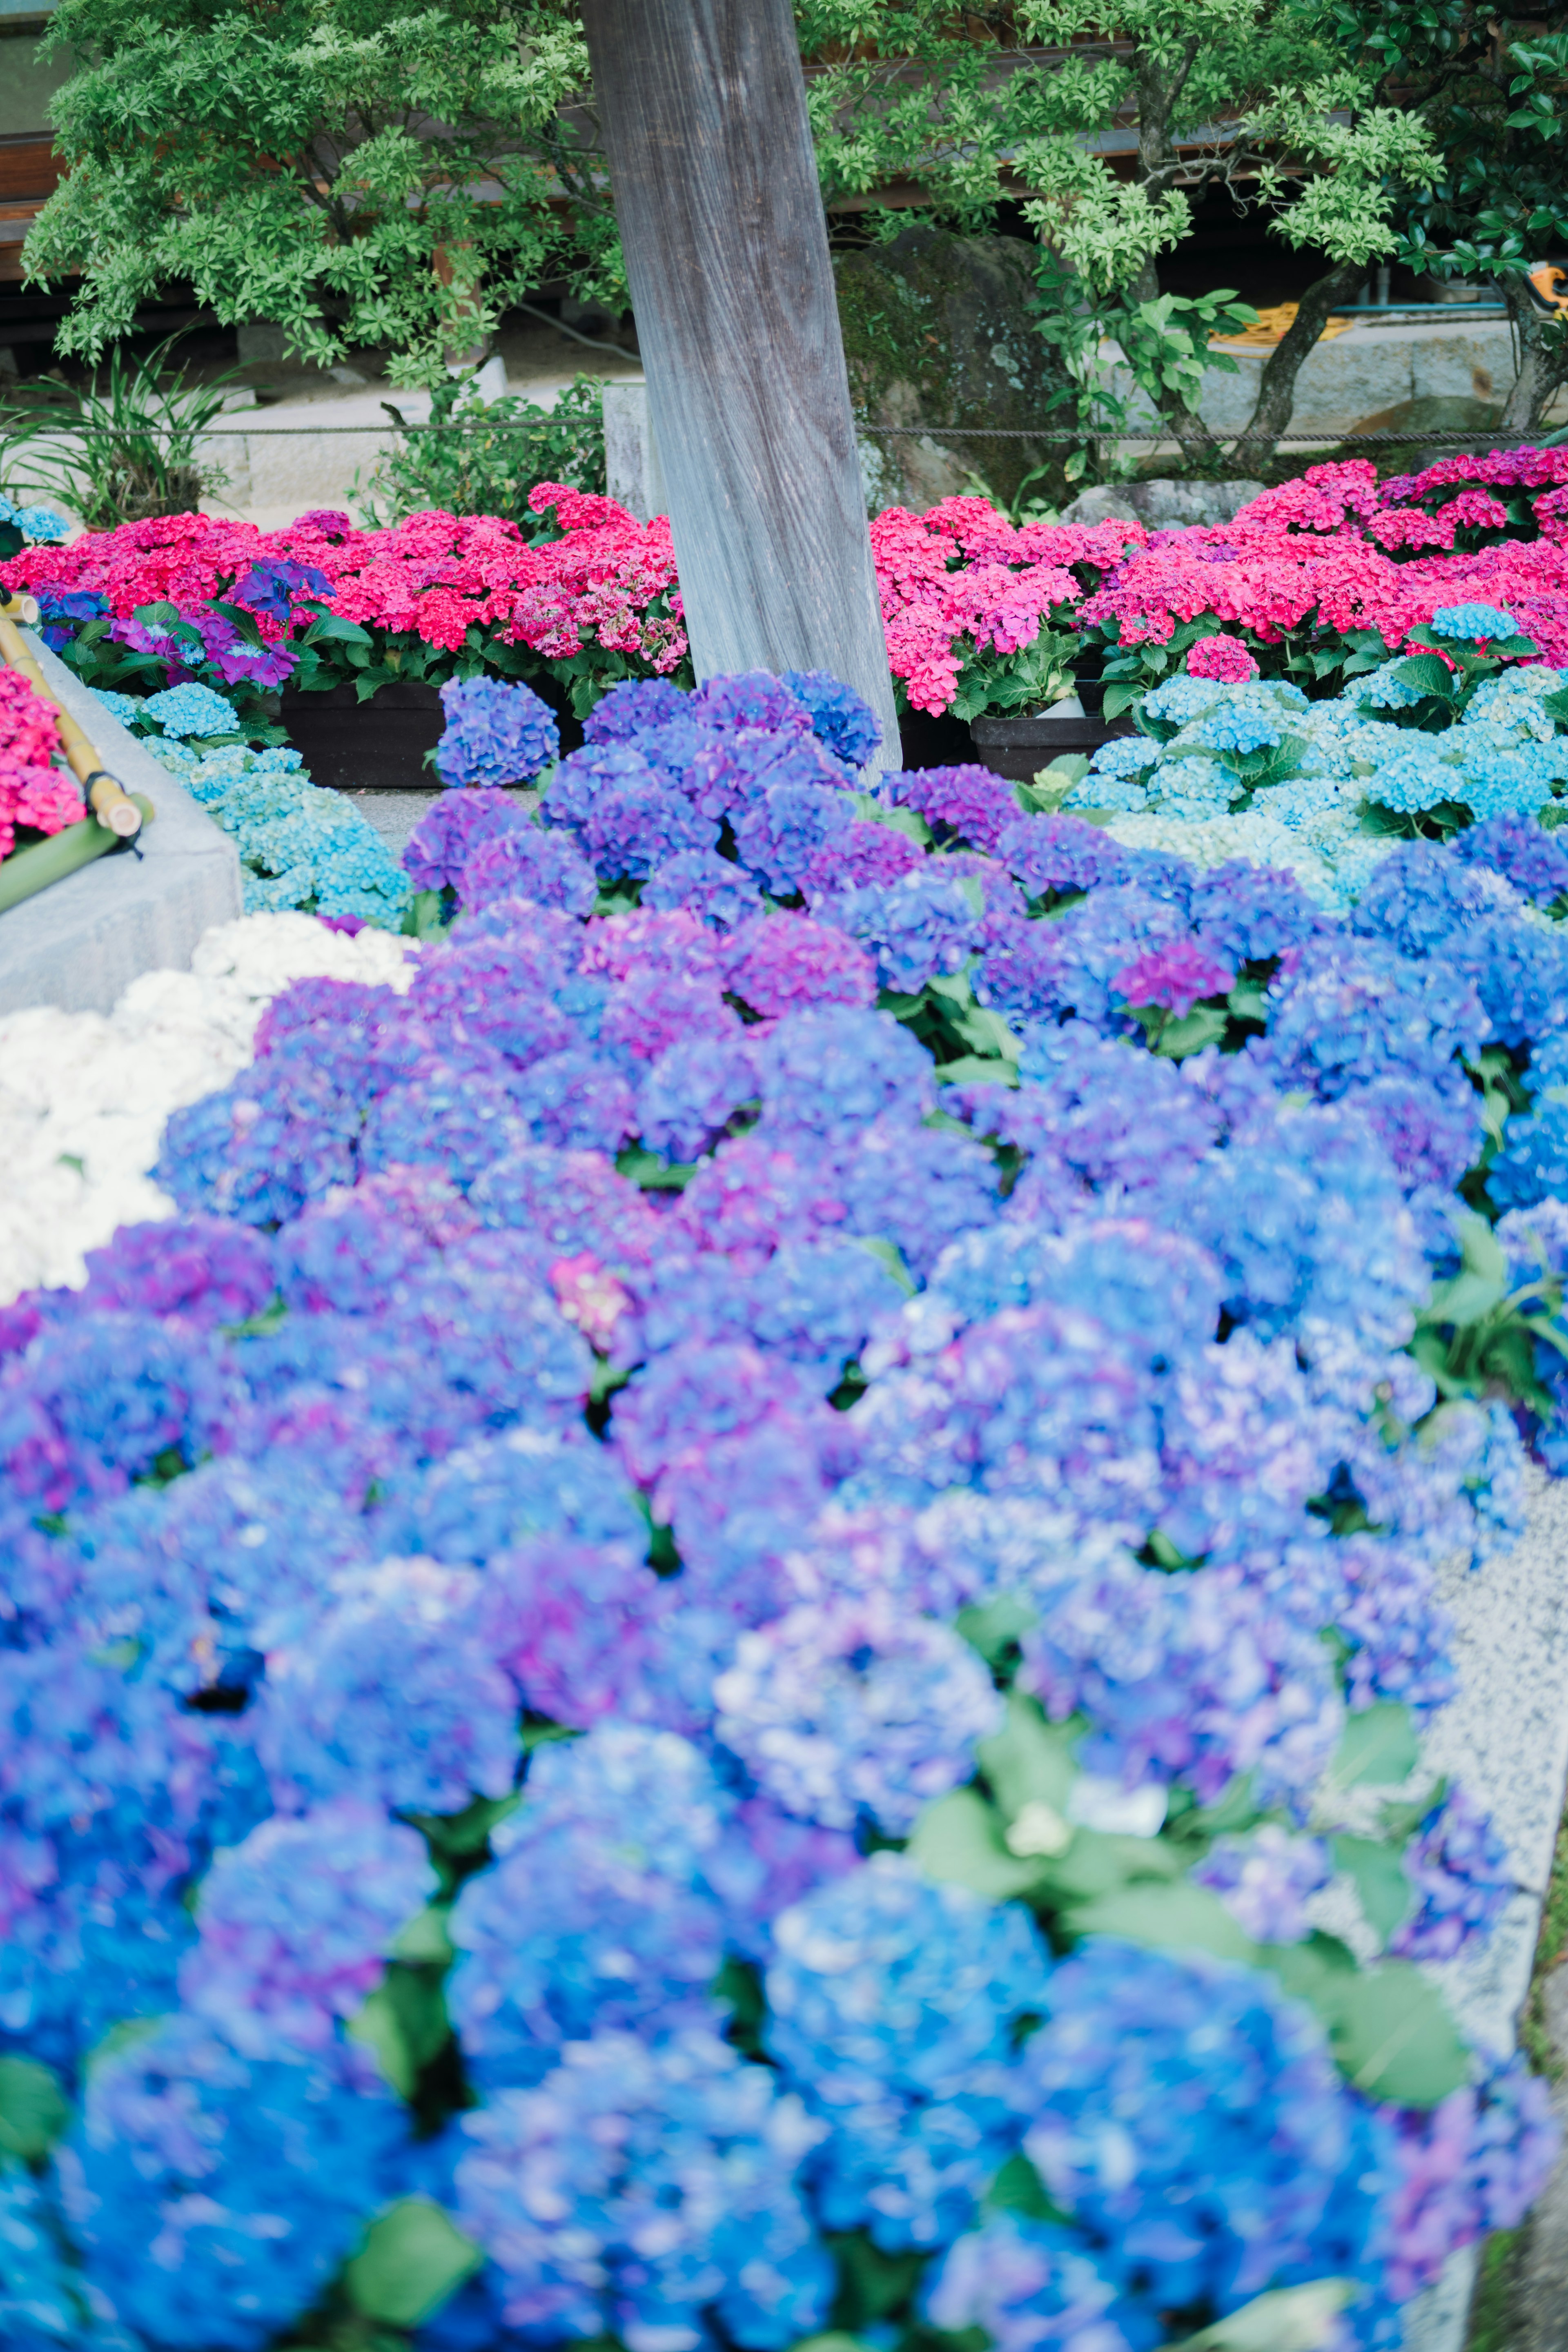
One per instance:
(80, 943)
(1357, 374)
(1506, 1737)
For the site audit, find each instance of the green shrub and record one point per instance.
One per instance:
(473, 459)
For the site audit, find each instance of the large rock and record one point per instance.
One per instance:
(1161, 504)
(939, 331)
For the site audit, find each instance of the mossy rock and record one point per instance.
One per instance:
(939, 330)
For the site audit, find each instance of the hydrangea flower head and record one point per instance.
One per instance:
(1269, 2167)
(1173, 976)
(843, 1712)
(1479, 623)
(640, 2185)
(1221, 657)
(839, 716)
(214, 2195)
(190, 709)
(495, 732)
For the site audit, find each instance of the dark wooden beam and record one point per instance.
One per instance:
(703, 108)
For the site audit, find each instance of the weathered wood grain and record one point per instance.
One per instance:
(703, 108)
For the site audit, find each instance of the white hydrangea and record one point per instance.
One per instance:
(84, 1096)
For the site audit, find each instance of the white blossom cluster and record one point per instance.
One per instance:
(84, 1096)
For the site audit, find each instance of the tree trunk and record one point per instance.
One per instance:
(1276, 391)
(1543, 341)
(704, 106)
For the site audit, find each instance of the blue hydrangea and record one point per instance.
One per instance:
(722, 892)
(1351, 1012)
(1188, 2115)
(918, 927)
(847, 1712)
(494, 1493)
(215, 2197)
(190, 709)
(1482, 623)
(1534, 861)
(39, 525)
(597, 1912)
(895, 2007)
(127, 708)
(344, 1686)
(495, 734)
(640, 2187)
(778, 832)
(833, 1068)
(297, 1922)
(1305, 1221)
(839, 716)
(1420, 777)
(1032, 2287)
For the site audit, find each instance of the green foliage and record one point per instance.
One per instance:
(357, 174)
(474, 459)
(34, 2110)
(413, 2258)
(1489, 96)
(125, 450)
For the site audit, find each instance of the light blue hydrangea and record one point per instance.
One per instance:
(1479, 623)
(127, 708)
(38, 525)
(191, 709)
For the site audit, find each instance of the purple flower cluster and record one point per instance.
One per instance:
(618, 1433)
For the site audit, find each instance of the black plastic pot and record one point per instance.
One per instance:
(1020, 747)
(939, 742)
(374, 745)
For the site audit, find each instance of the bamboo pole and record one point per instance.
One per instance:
(111, 804)
(43, 862)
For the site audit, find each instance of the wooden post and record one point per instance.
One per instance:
(703, 108)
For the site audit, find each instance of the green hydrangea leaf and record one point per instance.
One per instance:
(413, 2258)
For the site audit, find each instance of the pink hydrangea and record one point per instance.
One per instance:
(1222, 657)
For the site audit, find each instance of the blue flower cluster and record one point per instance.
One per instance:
(1258, 770)
(495, 734)
(644, 1496)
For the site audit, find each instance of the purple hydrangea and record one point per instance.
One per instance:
(781, 963)
(1474, 2163)
(753, 699)
(1053, 857)
(1458, 1866)
(1173, 976)
(1264, 1881)
(635, 706)
(965, 804)
(864, 853)
(495, 734)
(530, 862)
(1192, 1678)
(453, 827)
(1532, 861)
(1032, 2287)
